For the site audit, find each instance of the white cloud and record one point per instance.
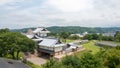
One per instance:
(2, 2)
(28, 13)
(70, 5)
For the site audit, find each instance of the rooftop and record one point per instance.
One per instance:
(107, 43)
(48, 42)
(8, 63)
(41, 30)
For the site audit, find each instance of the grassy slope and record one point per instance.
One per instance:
(91, 47)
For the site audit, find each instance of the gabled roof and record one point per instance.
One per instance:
(48, 42)
(41, 30)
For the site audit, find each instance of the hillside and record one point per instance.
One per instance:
(75, 29)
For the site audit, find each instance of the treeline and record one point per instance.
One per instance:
(75, 29)
(78, 29)
(109, 58)
(12, 43)
(115, 38)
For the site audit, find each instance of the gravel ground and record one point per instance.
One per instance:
(37, 60)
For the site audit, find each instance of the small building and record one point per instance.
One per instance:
(108, 34)
(85, 33)
(107, 43)
(79, 35)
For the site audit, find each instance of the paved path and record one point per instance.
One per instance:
(37, 60)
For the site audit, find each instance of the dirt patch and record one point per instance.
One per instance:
(37, 60)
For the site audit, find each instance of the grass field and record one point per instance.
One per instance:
(67, 40)
(90, 46)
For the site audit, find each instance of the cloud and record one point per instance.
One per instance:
(70, 5)
(30, 13)
(2, 2)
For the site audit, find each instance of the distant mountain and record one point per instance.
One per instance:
(75, 29)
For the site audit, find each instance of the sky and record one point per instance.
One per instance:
(35, 13)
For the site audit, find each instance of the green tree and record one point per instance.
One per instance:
(72, 62)
(117, 36)
(4, 30)
(13, 43)
(64, 35)
(49, 63)
(95, 36)
(100, 37)
(90, 61)
(110, 57)
(74, 37)
(88, 36)
(113, 58)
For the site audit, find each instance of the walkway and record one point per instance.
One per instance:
(37, 60)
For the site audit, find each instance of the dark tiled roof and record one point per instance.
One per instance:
(8, 63)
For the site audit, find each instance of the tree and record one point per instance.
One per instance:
(4, 30)
(117, 36)
(100, 37)
(74, 37)
(110, 57)
(64, 35)
(90, 61)
(49, 64)
(71, 61)
(88, 36)
(13, 43)
(95, 36)
(52, 34)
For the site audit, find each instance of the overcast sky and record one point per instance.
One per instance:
(35, 13)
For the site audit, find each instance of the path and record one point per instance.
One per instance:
(37, 60)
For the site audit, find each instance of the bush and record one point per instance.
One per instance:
(74, 37)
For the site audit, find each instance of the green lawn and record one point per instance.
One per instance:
(90, 46)
(67, 40)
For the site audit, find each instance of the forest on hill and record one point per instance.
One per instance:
(75, 29)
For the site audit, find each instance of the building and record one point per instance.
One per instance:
(79, 35)
(107, 43)
(108, 34)
(53, 47)
(50, 47)
(46, 46)
(85, 33)
(41, 32)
